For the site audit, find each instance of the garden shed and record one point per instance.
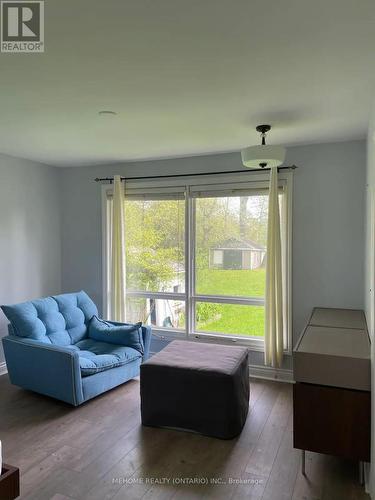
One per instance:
(235, 253)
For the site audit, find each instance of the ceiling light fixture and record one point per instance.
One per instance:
(263, 156)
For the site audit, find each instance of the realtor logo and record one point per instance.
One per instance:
(22, 26)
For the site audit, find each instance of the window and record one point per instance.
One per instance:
(234, 230)
(196, 255)
(155, 261)
(155, 245)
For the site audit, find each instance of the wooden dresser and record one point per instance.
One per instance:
(331, 396)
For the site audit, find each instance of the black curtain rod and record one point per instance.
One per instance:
(110, 179)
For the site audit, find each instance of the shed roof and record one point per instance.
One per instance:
(237, 244)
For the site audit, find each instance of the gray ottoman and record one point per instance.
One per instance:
(196, 386)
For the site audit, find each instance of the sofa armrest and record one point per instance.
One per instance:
(45, 368)
(146, 335)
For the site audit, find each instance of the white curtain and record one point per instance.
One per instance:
(273, 335)
(118, 276)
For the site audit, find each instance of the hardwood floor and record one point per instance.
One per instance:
(100, 451)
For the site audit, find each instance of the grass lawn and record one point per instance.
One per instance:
(227, 318)
(231, 282)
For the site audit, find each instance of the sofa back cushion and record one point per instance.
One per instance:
(60, 320)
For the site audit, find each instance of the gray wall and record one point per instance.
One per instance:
(328, 223)
(369, 276)
(370, 226)
(328, 227)
(30, 245)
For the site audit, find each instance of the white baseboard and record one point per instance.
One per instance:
(266, 372)
(3, 368)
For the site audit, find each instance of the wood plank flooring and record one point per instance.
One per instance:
(100, 451)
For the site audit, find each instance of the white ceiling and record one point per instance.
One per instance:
(187, 77)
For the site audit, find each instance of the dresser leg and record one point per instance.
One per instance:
(361, 473)
(303, 462)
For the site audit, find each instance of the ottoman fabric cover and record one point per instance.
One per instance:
(197, 386)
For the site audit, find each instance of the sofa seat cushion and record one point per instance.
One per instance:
(95, 357)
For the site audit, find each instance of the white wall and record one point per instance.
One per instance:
(30, 255)
(328, 223)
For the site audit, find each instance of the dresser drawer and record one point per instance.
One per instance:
(332, 420)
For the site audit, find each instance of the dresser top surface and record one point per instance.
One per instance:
(339, 318)
(346, 342)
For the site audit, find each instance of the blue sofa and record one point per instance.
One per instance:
(48, 349)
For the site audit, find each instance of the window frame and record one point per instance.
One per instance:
(163, 188)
